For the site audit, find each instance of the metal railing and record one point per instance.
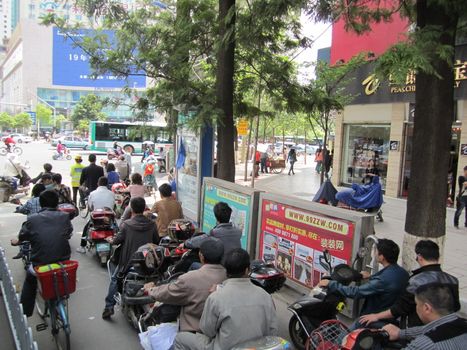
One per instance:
(22, 333)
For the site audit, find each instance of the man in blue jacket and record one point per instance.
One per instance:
(383, 288)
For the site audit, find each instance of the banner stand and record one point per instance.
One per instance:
(244, 202)
(294, 233)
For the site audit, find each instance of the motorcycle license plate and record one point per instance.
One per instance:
(103, 247)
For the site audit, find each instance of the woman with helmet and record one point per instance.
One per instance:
(75, 173)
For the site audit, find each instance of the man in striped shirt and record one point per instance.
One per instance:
(443, 329)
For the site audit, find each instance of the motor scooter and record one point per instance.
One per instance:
(62, 156)
(333, 334)
(102, 226)
(311, 310)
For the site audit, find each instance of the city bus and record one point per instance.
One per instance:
(129, 135)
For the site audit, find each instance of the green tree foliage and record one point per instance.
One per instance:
(6, 121)
(59, 119)
(22, 121)
(44, 114)
(180, 52)
(429, 51)
(83, 126)
(88, 108)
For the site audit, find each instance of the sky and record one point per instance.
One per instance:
(322, 33)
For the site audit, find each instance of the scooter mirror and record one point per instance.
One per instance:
(327, 256)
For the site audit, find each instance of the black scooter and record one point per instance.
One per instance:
(311, 310)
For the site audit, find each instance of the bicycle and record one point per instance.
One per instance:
(52, 301)
(13, 149)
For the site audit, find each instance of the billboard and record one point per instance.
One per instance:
(241, 208)
(295, 238)
(70, 64)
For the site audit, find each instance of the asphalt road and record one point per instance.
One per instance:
(89, 331)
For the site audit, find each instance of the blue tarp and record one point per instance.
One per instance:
(363, 196)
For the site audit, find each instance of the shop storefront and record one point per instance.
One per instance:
(366, 152)
(374, 133)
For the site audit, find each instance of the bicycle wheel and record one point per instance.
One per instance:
(3, 151)
(59, 320)
(41, 306)
(18, 151)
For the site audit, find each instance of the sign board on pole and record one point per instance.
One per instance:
(294, 233)
(244, 204)
(242, 127)
(194, 163)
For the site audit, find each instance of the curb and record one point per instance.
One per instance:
(463, 310)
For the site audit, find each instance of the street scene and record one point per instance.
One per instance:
(222, 175)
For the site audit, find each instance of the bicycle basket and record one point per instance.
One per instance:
(59, 279)
(328, 336)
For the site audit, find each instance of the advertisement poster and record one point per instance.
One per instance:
(71, 64)
(295, 239)
(188, 191)
(240, 204)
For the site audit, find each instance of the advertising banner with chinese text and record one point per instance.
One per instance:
(295, 239)
(239, 202)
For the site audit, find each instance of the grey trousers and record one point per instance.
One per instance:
(191, 341)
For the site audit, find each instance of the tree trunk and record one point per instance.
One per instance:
(225, 90)
(247, 157)
(434, 114)
(323, 152)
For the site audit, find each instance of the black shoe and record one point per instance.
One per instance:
(455, 226)
(107, 313)
(18, 256)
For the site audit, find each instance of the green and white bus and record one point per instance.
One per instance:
(130, 136)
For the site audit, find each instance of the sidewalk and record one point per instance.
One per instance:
(306, 183)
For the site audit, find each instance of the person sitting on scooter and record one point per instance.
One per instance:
(443, 329)
(382, 289)
(47, 181)
(133, 233)
(48, 233)
(191, 289)
(427, 256)
(101, 198)
(224, 230)
(47, 170)
(237, 311)
(63, 191)
(167, 209)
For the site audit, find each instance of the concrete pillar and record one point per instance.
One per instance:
(462, 116)
(395, 158)
(338, 149)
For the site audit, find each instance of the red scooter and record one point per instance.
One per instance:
(102, 226)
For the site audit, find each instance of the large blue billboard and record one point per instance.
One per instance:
(71, 65)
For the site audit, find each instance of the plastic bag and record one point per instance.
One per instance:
(160, 337)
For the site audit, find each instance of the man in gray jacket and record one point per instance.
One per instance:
(224, 230)
(236, 312)
(191, 289)
(443, 329)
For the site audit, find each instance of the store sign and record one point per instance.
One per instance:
(240, 204)
(367, 88)
(295, 239)
(242, 127)
(71, 64)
